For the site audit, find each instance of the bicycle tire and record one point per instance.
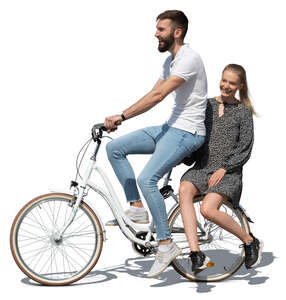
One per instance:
(30, 234)
(219, 255)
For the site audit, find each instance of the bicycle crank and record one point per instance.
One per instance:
(142, 250)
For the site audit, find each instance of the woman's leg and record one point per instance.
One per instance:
(210, 210)
(187, 192)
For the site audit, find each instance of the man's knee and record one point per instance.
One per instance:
(142, 181)
(112, 150)
(146, 182)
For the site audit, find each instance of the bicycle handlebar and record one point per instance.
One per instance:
(97, 130)
(99, 126)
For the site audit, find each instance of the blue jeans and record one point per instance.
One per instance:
(169, 146)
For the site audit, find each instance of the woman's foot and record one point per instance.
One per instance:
(199, 261)
(253, 252)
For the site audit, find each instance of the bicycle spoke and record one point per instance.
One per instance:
(77, 250)
(58, 212)
(31, 243)
(29, 232)
(78, 228)
(38, 255)
(41, 225)
(83, 234)
(52, 216)
(68, 261)
(42, 221)
(71, 259)
(49, 263)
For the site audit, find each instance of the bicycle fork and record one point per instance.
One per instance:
(78, 197)
(75, 202)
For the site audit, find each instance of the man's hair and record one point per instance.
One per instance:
(178, 19)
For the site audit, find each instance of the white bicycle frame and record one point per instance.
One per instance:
(128, 228)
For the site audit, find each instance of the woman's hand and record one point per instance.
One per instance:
(216, 177)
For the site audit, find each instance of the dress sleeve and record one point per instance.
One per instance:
(240, 155)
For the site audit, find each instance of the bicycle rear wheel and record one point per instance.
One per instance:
(220, 245)
(37, 250)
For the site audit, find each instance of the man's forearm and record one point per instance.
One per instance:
(144, 104)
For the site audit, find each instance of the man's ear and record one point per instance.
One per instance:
(178, 32)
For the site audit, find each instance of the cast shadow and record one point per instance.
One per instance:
(140, 266)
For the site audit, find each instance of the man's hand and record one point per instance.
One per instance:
(216, 177)
(112, 122)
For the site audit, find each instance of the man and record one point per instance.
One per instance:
(184, 75)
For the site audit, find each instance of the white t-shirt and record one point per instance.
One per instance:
(191, 97)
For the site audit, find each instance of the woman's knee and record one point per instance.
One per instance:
(211, 205)
(208, 212)
(187, 191)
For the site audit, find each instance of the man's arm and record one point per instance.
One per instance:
(158, 83)
(161, 89)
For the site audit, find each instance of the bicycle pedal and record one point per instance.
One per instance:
(210, 264)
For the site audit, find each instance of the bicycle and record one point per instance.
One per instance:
(57, 238)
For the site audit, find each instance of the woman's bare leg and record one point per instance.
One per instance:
(187, 192)
(210, 210)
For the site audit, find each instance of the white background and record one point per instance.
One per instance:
(65, 65)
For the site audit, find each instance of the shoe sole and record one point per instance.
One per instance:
(207, 264)
(137, 222)
(158, 273)
(261, 245)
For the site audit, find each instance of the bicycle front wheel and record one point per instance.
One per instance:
(38, 251)
(220, 245)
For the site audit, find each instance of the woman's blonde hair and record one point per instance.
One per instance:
(243, 92)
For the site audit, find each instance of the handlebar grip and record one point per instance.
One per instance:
(100, 126)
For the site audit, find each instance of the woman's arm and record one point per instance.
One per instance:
(240, 155)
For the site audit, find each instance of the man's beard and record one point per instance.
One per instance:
(167, 43)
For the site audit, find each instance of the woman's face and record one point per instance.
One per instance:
(229, 84)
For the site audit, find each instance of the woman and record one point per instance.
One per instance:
(217, 173)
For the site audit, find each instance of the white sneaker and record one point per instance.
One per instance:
(163, 259)
(137, 217)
